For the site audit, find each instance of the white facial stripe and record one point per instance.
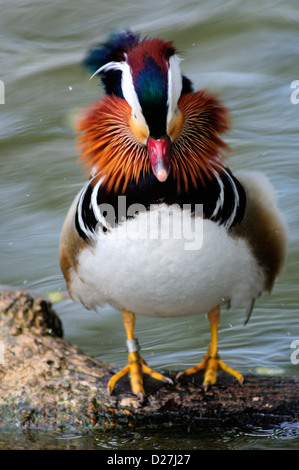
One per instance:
(107, 67)
(175, 85)
(127, 87)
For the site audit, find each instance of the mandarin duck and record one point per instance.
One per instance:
(163, 227)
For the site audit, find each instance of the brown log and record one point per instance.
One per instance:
(47, 383)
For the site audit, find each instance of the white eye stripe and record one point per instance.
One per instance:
(127, 87)
(175, 85)
(107, 67)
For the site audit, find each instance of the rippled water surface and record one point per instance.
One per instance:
(246, 53)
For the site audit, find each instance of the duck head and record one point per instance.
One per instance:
(142, 116)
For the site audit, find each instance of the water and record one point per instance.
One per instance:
(246, 53)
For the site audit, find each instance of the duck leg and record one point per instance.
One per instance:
(211, 361)
(136, 366)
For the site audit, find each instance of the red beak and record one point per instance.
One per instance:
(159, 155)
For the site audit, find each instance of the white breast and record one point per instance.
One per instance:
(165, 263)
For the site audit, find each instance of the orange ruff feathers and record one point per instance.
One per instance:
(108, 145)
